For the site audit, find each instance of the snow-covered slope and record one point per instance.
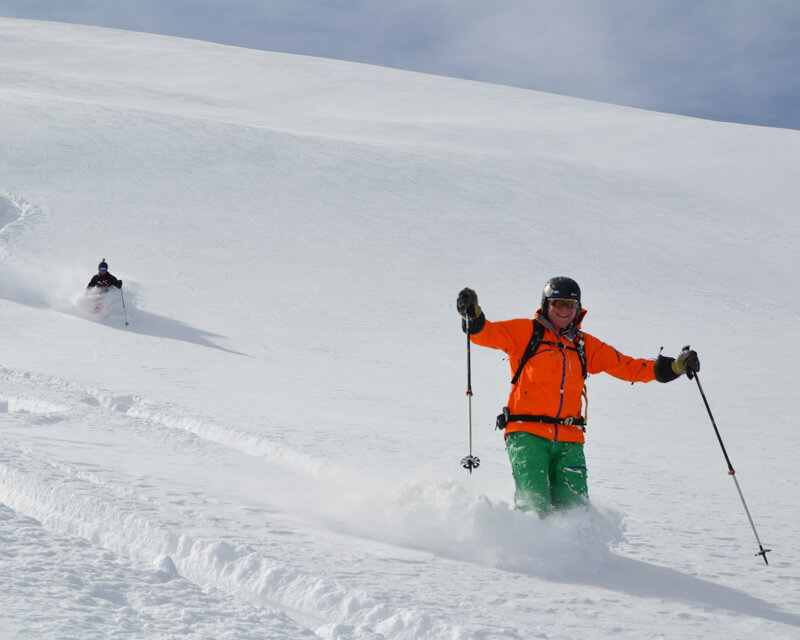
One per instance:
(270, 447)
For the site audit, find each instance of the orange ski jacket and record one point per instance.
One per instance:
(551, 383)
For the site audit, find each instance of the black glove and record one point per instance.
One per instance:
(687, 362)
(120, 284)
(467, 304)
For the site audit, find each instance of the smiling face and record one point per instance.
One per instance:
(561, 312)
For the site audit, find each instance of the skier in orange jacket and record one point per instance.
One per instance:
(550, 358)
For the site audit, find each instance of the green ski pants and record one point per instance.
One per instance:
(548, 475)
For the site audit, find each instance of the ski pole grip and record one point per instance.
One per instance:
(690, 373)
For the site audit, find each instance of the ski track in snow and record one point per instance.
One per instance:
(16, 216)
(91, 504)
(239, 554)
(230, 558)
(119, 598)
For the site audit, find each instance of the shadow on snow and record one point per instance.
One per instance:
(151, 324)
(645, 580)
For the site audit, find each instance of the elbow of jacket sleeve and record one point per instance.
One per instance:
(663, 369)
(475, 325)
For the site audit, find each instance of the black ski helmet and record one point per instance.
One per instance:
(103, 265)
(563, 288)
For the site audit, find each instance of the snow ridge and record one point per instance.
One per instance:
(227, 547)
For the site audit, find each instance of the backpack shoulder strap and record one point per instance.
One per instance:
(580, 347)
(530, 350)
(536, 341)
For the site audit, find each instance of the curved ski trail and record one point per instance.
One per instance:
(132, 477)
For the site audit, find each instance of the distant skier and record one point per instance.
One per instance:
(544, 421)
(103, 279)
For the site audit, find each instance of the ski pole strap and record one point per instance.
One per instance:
(504, 418)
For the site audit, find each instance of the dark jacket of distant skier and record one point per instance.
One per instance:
(103, 279)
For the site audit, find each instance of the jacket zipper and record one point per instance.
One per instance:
(561, 389)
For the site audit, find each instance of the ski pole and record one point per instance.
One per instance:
(469, 462)
(731, 472)
(124, 310)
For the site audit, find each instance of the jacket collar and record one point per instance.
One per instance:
(570, 332)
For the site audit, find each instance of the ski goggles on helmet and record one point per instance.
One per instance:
(560, 302)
